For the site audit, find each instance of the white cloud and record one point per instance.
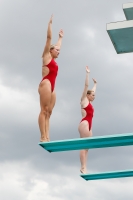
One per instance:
(88, 33)
(17, 105)
(17, 177)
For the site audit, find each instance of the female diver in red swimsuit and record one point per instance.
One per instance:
(46, 87)
(85, 126)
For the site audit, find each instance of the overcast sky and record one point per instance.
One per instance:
(28, 172)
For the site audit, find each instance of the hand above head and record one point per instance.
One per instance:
(51, 19)
(87, 69)
(94, 81)
(61, 33)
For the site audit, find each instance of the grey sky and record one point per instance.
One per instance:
(27, 171)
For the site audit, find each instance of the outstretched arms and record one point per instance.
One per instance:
(47, 47)
(60, 39)
(49, 38)
(95, 84)
(86, 83)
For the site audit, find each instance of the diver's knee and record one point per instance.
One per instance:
(44, 110)
(49, 113)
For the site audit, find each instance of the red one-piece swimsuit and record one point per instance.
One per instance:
(89, 115)
(53, 70)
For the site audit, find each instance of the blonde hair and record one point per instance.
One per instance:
(52, 46)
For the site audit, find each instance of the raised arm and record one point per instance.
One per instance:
(86, 83)
(59, 42)
(95, 84)
(49, 38)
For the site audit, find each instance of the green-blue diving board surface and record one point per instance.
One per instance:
(128, 10)
(108, 175)
(121, 33)
(89, 143)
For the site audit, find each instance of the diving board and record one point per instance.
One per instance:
(121, 33)
(89, 143)
(128, 10)
(108, 175)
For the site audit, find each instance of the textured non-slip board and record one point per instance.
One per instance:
(89, 143)
(108, 175)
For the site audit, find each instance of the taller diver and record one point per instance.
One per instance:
(47, 85)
